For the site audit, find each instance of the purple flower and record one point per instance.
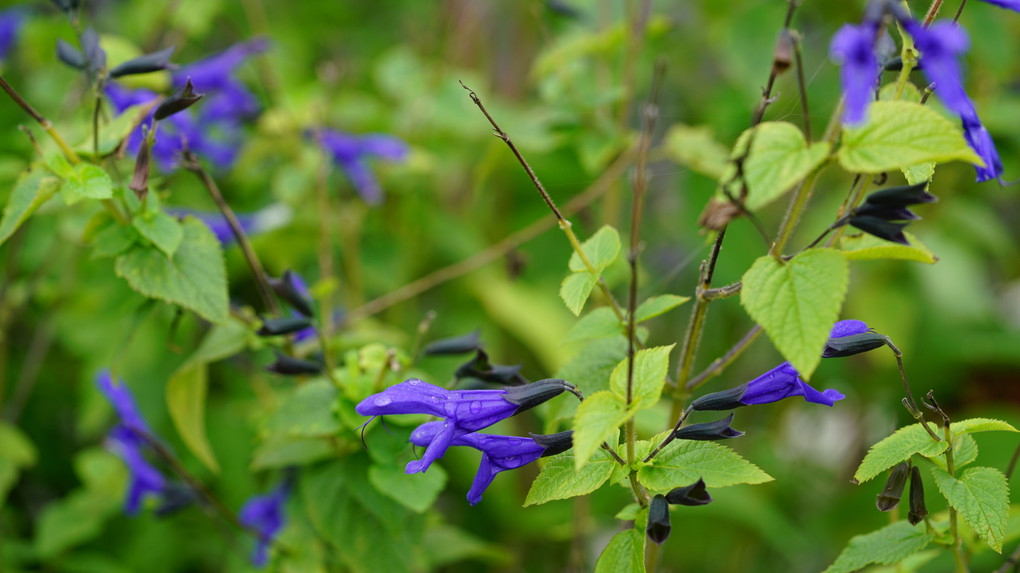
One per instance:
(10, 26)
(227, 100)
(264, 220)
(499, 453)
(350, 152)
(854, 48)
(463, 411)
(265, 515)
(127, 441)
(941, 46)
(1013, 5)
(784, 381)
(981, 142)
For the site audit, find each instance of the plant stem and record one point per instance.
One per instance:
(719, 364)
(792, 217)
(802, 87)
(191, 163)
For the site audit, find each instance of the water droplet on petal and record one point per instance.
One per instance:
(383, 401)
(475, 407)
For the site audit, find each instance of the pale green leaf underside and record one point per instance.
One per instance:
(559, 479)
(865, 247)
(30, 191)
(896, 448)
(658, 305)
(981, 495)
(683, 462)
(161, 230)
(891, 544)
(598, 323)
(597, 419)
(965, 451)
(624, 554)
(576, 289)
(601, 250)
(650, 368)
(86, 182)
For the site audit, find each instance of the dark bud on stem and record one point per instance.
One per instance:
(725, 400)
(692, 495)
(718, 430)
(718, 214)
(480, 368)
(290, 366)
(456, 345)
(181, 100)
(70, 55)
(890, 495)
(917, 509)
(885, 213)
(284, 325)
(153, 62)
(66, 5)
(782, 54)
(286, 288)
(888, 230)
(140, 180)
(554, 443)
(853, 344)
(175, 497)
(95, 56)
(658, 520)
(531, 395)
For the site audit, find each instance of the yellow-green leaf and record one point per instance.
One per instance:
(596, 420)
(866, 247)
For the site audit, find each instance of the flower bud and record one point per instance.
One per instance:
(181, 100)
(725, 400)
(140, 180)
(782, 54)
(658, 520)
(692, 495)
(718, 430)
(531, 395)
(290, 366)
(283, 325)
(480, 368)
(853, 344)
(554, 443)
(153, 62)
(287, 287)
(455, 345)
(917, 509)
(70, 55)
(889, 497)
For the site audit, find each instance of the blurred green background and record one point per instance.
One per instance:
(565, 79)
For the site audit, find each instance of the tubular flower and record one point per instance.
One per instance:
(229, 100)
(463, 411)
(10, 26)
(264, 220)
(854, 47)
(350, 153)
(265, 515)
(499, 453)
(125, 439)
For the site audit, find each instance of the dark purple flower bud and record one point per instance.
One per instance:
(283, 325)
(881, 228)
(554, 443)
(782, 53)
(70, 55)
(175, 497)
(658, 520)
(140, 180)
(917, 509)
(148, 63)
(853, 47)
(265, 515)
(718, 430)
(479, 367)
(530, 395)
(291, 288)
(290, 366)
(849, 337)
(692, 495)
(724, 400)
(455, 345)
(95, 56)
(181, 100)
(890, 495)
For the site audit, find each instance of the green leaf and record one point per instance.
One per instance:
(696, 148)
(31, 190)
(981, 495)
(58, 164)
(682, 462)
(589, 370)
(116, 131)
(974, 425)
(575, 290)
(283, 452)
(909, 92)
(797, 302)
(658, 305)
(161, 230)
(307, 413)
(650, 368)
(599, 323)
(915, 174)
(624, 554)
(113, 240)
(779, 158)
(896, 448)
(865, 247)
(601, 250)
(891, 544)
(195, 278)
(965, 451)
(416, 492)
(16, 453)
(900, 134)
(87, 182)
(559, 479)
(596, 420)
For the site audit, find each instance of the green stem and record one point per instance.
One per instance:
(792, 217)
(954, 530)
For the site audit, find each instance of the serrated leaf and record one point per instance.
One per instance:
(575, 290)
(658, 305)
(597, 419)
(891, 544)
(901, 134)
(601, 250)
(909, 92)
(307, 413)
(797, 302)
(195, 278)
(915, 174)
(866, 247)
(161, 230)
(974, 425)
(896, 448)
(965, 451)
(113, 240)
(779, 158)
(696, 148)
(416, 492)
(683, 462)
(589, 369)
(560, 480)
(650, 368)
(599, 323)
(981, 496)
(624, 554)
(86, 182)
(31, 190)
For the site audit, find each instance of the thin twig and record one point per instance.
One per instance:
(1012, 462)
(725, 360)
(802, 86)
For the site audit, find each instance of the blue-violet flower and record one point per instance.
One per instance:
(350, 153)
(265, 515)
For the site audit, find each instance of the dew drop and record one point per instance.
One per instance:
(383, 401)
(475, 407)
